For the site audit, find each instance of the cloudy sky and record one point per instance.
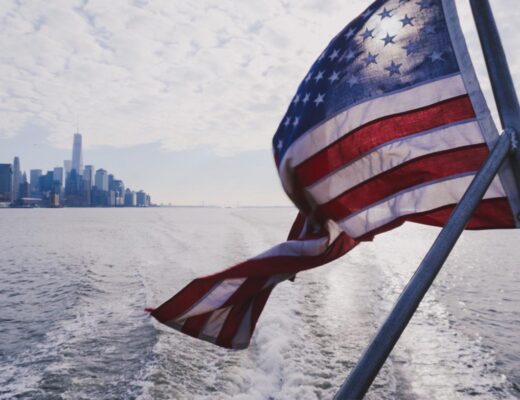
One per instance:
(178, 98)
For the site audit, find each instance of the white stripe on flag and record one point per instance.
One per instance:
(214, 298)
(416, 200)
(393, 154)
(241, 337)
(354, 117)
(299, 248)
(215, 322)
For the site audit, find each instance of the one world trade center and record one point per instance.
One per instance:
(77, 154)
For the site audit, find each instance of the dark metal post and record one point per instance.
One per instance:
(498, 70)
(382, 344)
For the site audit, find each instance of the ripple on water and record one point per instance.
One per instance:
(72, 324)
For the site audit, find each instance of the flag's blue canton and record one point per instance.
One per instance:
(394, 44)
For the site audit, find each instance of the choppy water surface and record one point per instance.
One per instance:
(73, 284)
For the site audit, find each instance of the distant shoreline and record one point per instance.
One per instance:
(209, 206)
(154, 206)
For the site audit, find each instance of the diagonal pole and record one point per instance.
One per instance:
(382, 344)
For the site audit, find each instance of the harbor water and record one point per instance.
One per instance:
(74, 282)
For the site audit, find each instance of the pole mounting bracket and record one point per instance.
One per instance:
(513, 137)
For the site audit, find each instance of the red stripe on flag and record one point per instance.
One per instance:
(255, 270)
(258, 305)
(281, 265)
(490, 214)
(414, 172)
(232, 324)
(186, 298)
(297, 227)
(194, 325)
(375, 133)
(243, 293)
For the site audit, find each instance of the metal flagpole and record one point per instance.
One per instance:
(498, 71)
(382, 344)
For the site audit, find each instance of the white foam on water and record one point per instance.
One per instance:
(435, 358)
(297, 350)
(191, 369)
(312, 331)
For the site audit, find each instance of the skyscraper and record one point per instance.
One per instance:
(88, 176)
(17, 178)
(140, 198)
(46, 183)
(59, 177)
(35, 181)
(110, 181)
(25, 190)
(102, 180)
(77, 154)
(119, 188)
(130, 198)
(73, 189)
(6, 183)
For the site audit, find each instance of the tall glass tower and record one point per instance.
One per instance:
(6, 183)
(88, 176)
(35, 181)
(77, 154)
(17, 178)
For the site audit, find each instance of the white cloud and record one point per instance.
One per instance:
(183, 74)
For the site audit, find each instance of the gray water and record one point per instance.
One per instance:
(73, 284)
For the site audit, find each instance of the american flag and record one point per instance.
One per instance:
(389, 125)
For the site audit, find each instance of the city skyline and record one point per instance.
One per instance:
(69, 186)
